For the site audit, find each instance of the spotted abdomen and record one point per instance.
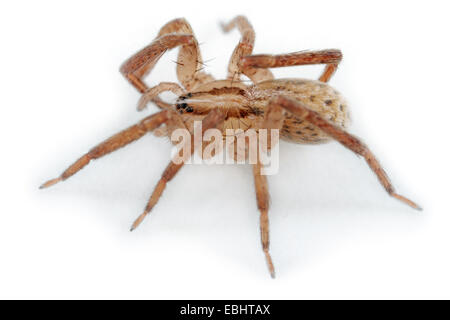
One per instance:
(316, 95)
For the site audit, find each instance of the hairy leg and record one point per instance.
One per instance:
(117, 141)
(175, 33)
(152, 93)
(141, 63)
(331, 58)
(346, 139)
(190, 63)
(273, 120)
(244, 48)
(212, 120)
(262, 199)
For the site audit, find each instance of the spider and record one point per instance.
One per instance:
(305, 111)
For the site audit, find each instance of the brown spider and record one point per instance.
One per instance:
(306, 111)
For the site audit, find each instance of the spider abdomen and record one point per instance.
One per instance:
(317, 96)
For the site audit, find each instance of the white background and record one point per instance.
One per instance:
(334, 231)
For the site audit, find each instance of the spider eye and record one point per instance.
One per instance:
(186, 96)
(182, 106)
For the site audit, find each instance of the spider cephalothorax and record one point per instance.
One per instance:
(305, 111)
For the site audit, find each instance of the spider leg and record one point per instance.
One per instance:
(115, 142)
(214, 118)
(244, 48)
(346, 139)
(262, 199)
(141, 63)
(190, 62)
(331, 58)
(273, 119)
(152, 94)
(175, 33)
